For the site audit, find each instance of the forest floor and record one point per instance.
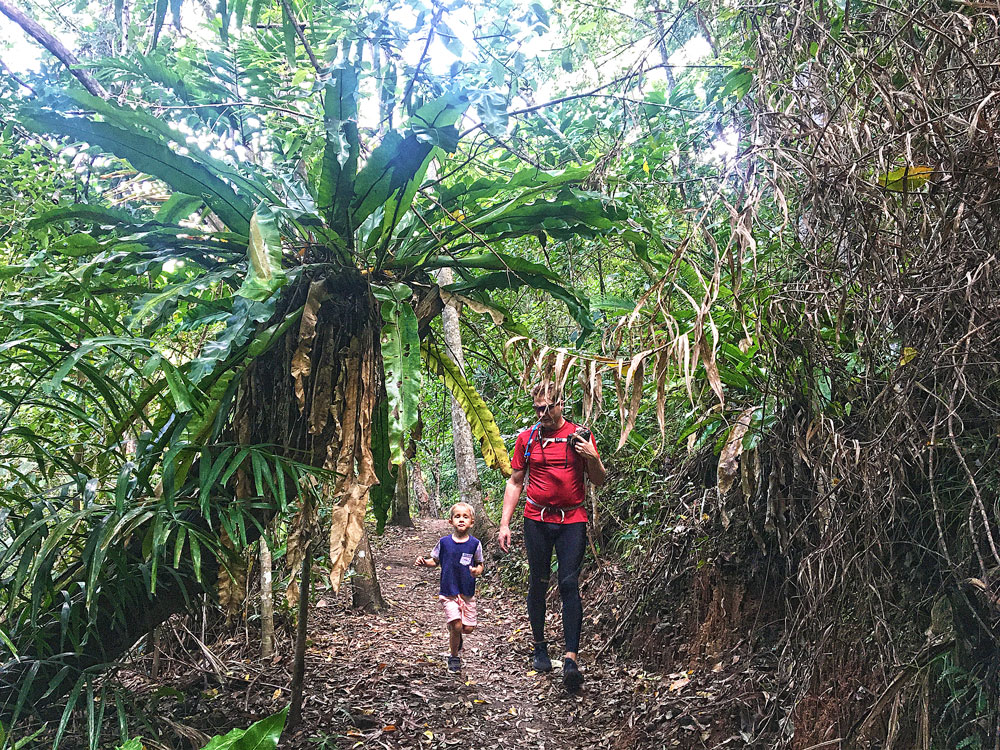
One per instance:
(380, 681)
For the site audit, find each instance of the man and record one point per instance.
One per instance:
(555, 460)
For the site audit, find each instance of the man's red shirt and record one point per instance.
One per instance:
(555, 474)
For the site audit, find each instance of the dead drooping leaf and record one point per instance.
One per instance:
(660, 370)
(354, 464)
(729, 459)
(232, 580)
(302, 530)
(633, 380)
(301, 364)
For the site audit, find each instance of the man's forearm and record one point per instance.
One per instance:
(511, 494)
(596, 472)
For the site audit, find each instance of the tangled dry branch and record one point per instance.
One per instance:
(877, 120)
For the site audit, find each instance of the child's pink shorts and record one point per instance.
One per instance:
(459, 608)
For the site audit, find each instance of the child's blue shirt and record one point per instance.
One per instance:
(455, 558)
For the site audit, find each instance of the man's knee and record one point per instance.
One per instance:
(569, 585)
(539, 581)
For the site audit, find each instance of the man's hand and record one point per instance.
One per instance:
(503, 537)
(596, 472)
(585, 448)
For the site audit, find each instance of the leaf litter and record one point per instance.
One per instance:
(380, 680)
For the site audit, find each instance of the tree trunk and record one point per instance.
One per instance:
(266, 603)
(366, 595)
(301, 628)
(436, 506)
(401, 498)
(426, 508)
(469, 489)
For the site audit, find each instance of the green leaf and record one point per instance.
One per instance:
(451, 41)
(401, 357)
(266, 274)
(576, 303)
(491, 108)
(395, 166)
(178, 207)
(566, 60)
(484, 426)
(541, 14)
(288, 33)
(263, 735)
(159, 15)
(736, 82)
(154, 158)
(905, 179)
(381, 494)
(340, 153)
(179, 388)
(96, 215)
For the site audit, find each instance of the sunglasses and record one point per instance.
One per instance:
(543, 408)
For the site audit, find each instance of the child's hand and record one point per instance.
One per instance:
(476, 570)
(420, 562)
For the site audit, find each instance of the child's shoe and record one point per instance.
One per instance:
(572, 676)
(454, 664)
(540, 662)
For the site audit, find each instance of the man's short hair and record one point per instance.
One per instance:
(549, 391)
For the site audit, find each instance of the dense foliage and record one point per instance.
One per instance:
(753, 242)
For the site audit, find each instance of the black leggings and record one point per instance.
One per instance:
(569, 540)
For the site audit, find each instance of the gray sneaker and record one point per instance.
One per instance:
(454, 664)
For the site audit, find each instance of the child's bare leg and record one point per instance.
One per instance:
(468, 628)
(454, 636)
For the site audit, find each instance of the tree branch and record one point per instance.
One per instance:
(7, 71)
(53, 45)
(301, 34)
(581, 95)
(416, 71)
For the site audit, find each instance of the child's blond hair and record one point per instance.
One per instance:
(451, 511)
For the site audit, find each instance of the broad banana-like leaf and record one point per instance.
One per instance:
(401, 360)
(481, 420)
(571, 214)
(266, 274)
(95, 215)
(576, 303)
(340, 154)
(460, 195)
(142, 123)
(177, 207)
(491, 261)
(381, 494)
(396, 167)
(153, 157)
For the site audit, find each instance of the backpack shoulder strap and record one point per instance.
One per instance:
(527, 449)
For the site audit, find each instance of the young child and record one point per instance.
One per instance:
(460, 556)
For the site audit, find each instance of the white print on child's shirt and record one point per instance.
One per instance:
(466, 559)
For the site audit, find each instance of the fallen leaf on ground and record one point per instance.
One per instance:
(678, 684)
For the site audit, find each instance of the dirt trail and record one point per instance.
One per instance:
(380, 680)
